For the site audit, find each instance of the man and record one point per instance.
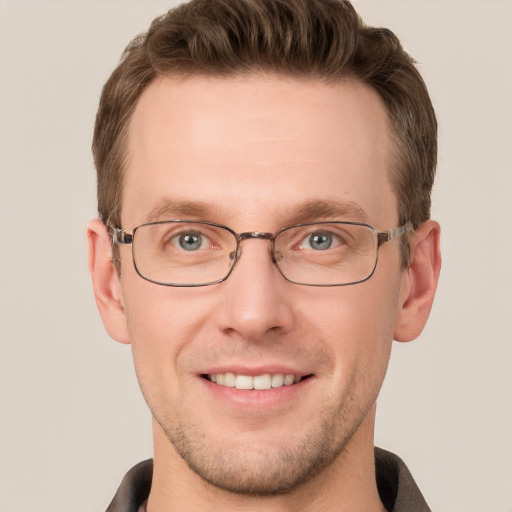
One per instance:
(255, 158)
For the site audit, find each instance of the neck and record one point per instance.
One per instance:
(347, 484)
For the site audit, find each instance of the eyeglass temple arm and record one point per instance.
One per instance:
(120, 236)
(388, 236)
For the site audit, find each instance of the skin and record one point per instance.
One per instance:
(252, 151)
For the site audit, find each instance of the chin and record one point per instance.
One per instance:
(237, 465)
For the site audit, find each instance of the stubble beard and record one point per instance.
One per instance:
(258, 471)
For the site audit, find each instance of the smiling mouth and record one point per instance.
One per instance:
(257, 382)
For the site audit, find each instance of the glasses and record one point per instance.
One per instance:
(186, 253)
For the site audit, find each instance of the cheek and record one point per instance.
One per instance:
(156, 344)
(164, 326)
(159, 325)
(357, 324)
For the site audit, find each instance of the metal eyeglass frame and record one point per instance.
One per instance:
(120, 236)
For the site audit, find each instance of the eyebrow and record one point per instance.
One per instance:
(313, 210)
(168, 209)
(308, 211)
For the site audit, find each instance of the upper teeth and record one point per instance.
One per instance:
(265, 381)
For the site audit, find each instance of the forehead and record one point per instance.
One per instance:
(238, 145)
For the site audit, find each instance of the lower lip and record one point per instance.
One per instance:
(255, 398)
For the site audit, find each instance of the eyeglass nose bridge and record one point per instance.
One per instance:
(257, 235)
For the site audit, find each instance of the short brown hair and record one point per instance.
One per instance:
(323, 39)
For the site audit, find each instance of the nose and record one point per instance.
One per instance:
(255, 299)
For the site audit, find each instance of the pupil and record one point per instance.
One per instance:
(320, 241)
(190, 242)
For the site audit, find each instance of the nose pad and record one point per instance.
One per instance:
(237, 254)
(276, 256)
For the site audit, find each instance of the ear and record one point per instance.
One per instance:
(419, 282)
(105, 282)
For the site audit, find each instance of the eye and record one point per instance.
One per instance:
(320, 241)
(190, 241)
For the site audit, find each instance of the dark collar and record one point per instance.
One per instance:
(397, 489)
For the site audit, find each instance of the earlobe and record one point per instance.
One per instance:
(105, 282)
(419, 282)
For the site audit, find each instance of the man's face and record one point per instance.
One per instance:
(258, 153)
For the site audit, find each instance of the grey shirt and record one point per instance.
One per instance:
(397, 488)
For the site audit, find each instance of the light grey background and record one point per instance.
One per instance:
(71, 417)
